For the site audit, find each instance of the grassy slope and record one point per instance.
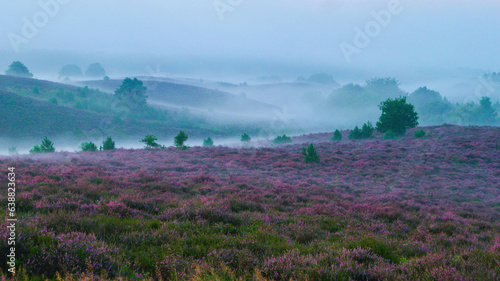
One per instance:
(82, 116)
(371, 210)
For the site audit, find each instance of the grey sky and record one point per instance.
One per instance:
(423, 34)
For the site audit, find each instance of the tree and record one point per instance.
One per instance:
(431, 107)
(337, 136)
(47, 146)
(487, 114)
(245, 138)
(132, 93)
(70, 70)
(180, 139)
(150, 142)
(95, 70)
(17, 68)
(310, 155)
(88, 146)
(108, 144)
(397, 116)
(282, 139)
(208, 142)
(365, 133)
(383, 88)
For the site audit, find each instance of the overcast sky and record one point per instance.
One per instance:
(419, 33)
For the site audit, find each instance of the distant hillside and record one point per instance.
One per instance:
(184, 95)
(26, 117)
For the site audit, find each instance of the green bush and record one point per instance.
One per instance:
(390, 135)
(208, 142)
(150, 142)
(108, 144)
(310, 155)
(397, 116)
(337, 136)
(47, 146)
(282, 139)
(365, 133)
(419, 134)
(89, 146)
(180, 139)
(245, 138)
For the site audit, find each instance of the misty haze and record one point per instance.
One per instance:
(250, 140)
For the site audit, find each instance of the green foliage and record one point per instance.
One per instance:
(47, 146)
(54, 101)
(419, 134)
(132, 94)
(36, 90)
(337, 136)
(106, 78)
(310, 155)
(95, 70)
(245, 138)
(397, 116)
(282, 139)
(208, 142)
(377, 247)
(431, 107)
(180, 139)
(390, 135)
(89, 146)
(71, 70)
(108, 144)
(365, 133)
(17, 68)
(150, 142)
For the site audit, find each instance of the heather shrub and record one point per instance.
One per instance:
(208, 142)
(88, 146)
(419, 134)
(108, 144)
(245, 138)
(73, 253)
(282, 139)
(47, 146)
(377, 247)
(241, 206)
(337, 136)
(180, 139)
(310, 155)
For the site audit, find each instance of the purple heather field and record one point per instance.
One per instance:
(405, 209)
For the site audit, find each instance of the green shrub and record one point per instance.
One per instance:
(89, 146)
(390, 135)
(108, 144)
(180, 139)
(364, 133)
(150, 142)
(208, 142)
(337, 136)
(397, 116)
(46, 147)
(245, 138)
(310, 155)
(282, 139)
(419, 134)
